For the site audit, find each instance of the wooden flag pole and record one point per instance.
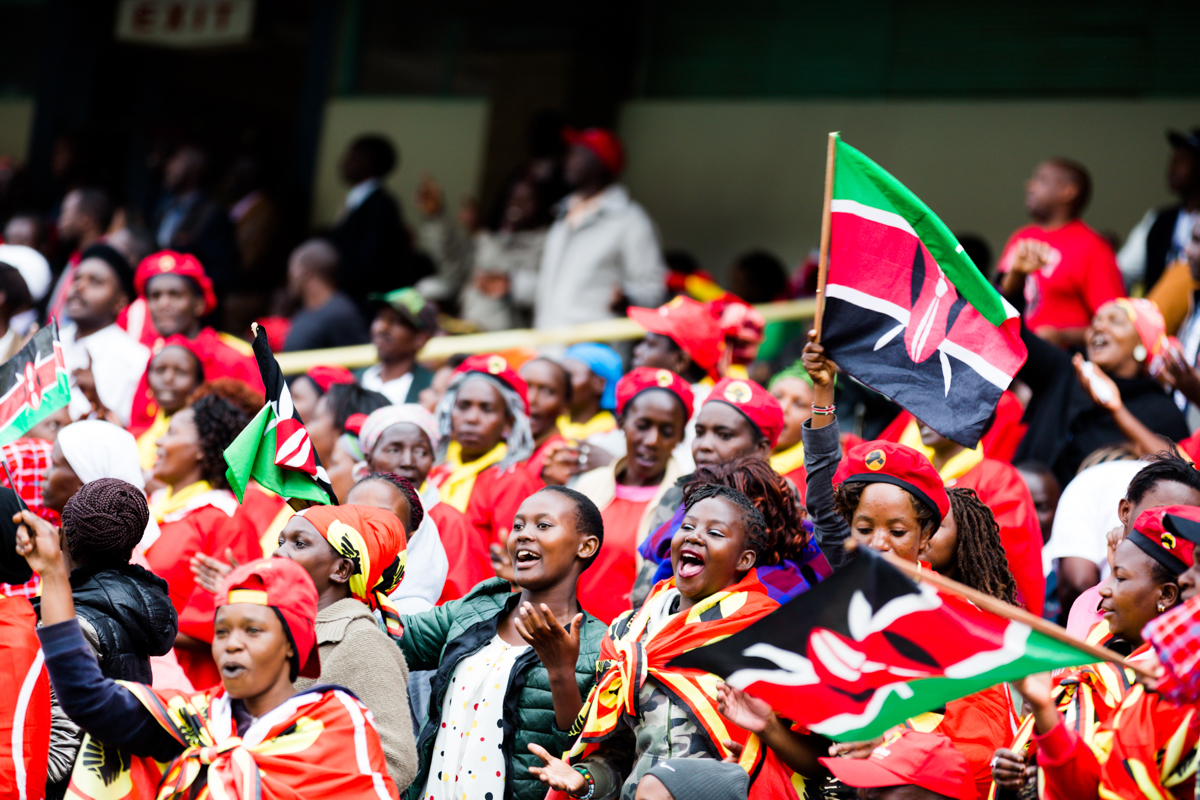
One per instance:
(1003, 609)
(823, 258)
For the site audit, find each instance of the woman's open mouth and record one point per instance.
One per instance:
(526, 558)
(232, 670)
(691, 564)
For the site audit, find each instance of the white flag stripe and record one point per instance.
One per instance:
(868, 301)
(991, 373)
(870, 212)
(287, 452)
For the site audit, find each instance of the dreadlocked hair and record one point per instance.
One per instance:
(847, 494)
(752, 518)
(403, 485)
(783, 515)
(218, 422)
(982, 563)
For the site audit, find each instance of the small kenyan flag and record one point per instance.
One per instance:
(35, 384)
(906, 311)
(274, 449)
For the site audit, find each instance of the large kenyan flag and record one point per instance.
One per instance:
(274, 449)
(867, 649)
(906, 312)
(34, 383)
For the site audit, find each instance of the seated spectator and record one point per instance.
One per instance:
(327, 317)
(1159, 239)
(35, 272)
(403, 440)
(85, 216)
(602, 252)
(404, 322)
(333, 413)
(174, 372)
(178, 296)
(549, 397)
(677, 778)
(197, 513)
(122, 609)
(308, 389)
(274, 600)
(653, 406)
(1074, 412)
(1066, 270)
(682, 336)
(483, 421)
(510, 676)
(373, 244)
(104, 362)
(594, 370)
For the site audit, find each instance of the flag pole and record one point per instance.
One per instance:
(823, 258)
(1014, 613)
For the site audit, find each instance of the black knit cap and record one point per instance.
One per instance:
(117, 263)
(104, 520)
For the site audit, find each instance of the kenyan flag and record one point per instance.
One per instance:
(35, 384)
(906, 311)
(867, 648)
(274, 449)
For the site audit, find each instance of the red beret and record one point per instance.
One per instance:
(285, 586)
(643, 378)
(182, 264)
(498, 368)
(755, 403)
(604, 143)
(1165, 534)
(899, 465)
(691, 325)
(326, 376)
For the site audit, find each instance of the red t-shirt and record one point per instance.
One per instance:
(1081, 276)
(495, 499)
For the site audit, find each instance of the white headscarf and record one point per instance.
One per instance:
(97, 449)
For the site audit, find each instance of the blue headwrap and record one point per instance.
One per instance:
(604, 361)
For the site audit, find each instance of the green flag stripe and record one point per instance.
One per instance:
(59, 396)
(861, 180)
(252, 456)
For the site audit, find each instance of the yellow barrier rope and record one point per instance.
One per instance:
(441, 347)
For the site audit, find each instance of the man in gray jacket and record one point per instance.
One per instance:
(602, 253)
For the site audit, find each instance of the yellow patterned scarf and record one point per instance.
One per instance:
(455, 480)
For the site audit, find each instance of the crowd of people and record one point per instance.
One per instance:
(525, 539)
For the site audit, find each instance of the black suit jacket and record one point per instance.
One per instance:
(375, 248)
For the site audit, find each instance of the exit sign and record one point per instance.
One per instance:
(185, 23)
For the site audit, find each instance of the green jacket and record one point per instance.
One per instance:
(440, 638)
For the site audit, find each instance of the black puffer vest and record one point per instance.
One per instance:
(131, 613)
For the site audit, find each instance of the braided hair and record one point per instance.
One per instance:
(405, 487)
(783, 515)
(981, 560)
(218, 422)
(103, 521)
(752, 518)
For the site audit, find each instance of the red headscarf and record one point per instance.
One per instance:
(375, 541)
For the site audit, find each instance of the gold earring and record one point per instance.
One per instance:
(1161, 608)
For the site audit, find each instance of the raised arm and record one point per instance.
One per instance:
(822, 452)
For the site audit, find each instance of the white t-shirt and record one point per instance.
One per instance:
(394, 390)
(117, 361)
(468, 755)
(1087, 511)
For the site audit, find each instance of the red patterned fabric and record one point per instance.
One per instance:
(1175, 637)
(28, 461)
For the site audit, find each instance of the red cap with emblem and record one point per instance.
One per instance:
(168, 262)
(689, 324)
(286, 587)
(928, 760)
(1166, 535)
(603, 143)
(899, 465)
(326, 376)
(498, 368)
(644, 378)
(755, 403)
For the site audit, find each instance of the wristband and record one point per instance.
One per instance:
(591, 782)
(823, 411)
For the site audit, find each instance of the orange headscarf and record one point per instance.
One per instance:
(375, 541)
(1151, 329)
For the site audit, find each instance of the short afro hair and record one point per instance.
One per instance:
(218, 422)
(752, 518)
(1165, 467)
(344, 400)
(588, 521)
